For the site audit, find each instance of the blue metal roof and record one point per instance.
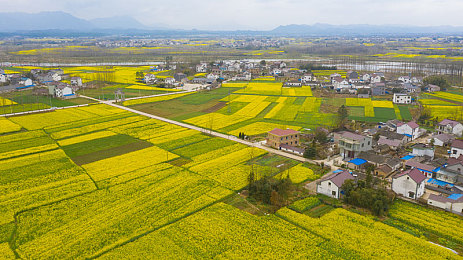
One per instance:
(357, 161)
(455, 196)
(439, 182)
(407, 135)
(408, 157)
(337, 171)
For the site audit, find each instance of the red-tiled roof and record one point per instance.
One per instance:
(339, 178)
(415, 174)
(352, 136)
(452, 161)
(419, 165)
(413, 124)
(457, 144)
(283, 132)
(448, 122)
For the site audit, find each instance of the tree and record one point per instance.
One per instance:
(437, 80)
(275, 198)
(342, 115)
(139, 75)
(310, 152)
(263, 62)
(320, 136)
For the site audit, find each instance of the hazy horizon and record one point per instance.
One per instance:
(254, 14)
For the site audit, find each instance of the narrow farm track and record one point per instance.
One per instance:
(207, 131)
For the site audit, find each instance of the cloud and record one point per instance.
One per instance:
(254, 14)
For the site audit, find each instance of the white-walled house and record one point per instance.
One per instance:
(410, 129)
(452, 203)
(404, 79)
(331, 186)
(76, 81)
(456, 149)
(25, 81)
(55, 76)
(276, 71)
(421, 150)
(409, 184)
(62, 91)
(443, 139)
(169, 81)
(400, 98)
(376, 78)
(366, 77)
(448, 126)
(309, 77)
(3, 78)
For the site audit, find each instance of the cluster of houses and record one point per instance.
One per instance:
(402, 153)
(43, 82)
(403, 89)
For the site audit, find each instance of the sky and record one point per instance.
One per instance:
(253, 14)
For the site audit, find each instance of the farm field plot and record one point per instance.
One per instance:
(103, 219)
(438, 102)
(442, 224)
(145, 87)
(37, 179)
(448, 96)
(440, 112)
(38, 121)
(6, 126)
(274, 89)
(153, 99)
(345, 231)
(6, 102)
(298, 174)
(222, 231)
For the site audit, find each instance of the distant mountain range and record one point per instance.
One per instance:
(14, 22)
(60, 23)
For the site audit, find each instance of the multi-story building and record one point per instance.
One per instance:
(351, 144)
(277, 137)
(401, 98)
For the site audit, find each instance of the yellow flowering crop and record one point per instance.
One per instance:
(30, 150)
(382, 103)
(346, 231)
(6, 126)
(95, 127)
(442, 223)
(118, 165)
(144, 87)
(153, 99)
(87, 137)
(6, 102)
(6, 252)
(298, 174)
(225, 232)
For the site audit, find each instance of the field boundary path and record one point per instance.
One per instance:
(41, 110)
(155, 95)
(208, 131)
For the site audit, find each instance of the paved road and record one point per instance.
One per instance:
(207, 131)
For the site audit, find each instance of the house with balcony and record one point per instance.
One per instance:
(352, 144)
